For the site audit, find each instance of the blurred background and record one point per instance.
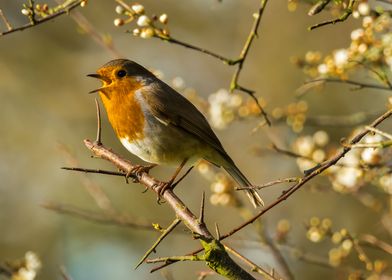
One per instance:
(45, 114)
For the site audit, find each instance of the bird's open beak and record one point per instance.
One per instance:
(100, 77)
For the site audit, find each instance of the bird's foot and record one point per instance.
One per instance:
(137, 170)
(161, 187)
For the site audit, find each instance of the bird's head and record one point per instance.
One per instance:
(121, 76)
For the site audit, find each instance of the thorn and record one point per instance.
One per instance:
(98, 139)
(201, 216)
(218, 236)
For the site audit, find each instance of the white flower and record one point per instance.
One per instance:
(119, 10)
(322, 69)
(118, 22)
(163, 18)
(321, 138)
(357, 34)
(26, 12)
(137, 8)
(364, 9)
(143, 21)
(304, 146)
(340, 57)
(348, 177)
(147, 33)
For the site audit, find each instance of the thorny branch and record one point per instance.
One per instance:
(64, 9)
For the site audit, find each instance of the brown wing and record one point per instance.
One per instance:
(172, 108)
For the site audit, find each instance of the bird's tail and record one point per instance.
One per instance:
(240, 178)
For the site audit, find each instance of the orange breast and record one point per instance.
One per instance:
(124, 111)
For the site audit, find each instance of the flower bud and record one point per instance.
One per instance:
(143, 21)
(163, 18)
(147, 33)
(118, 22)
(119, 10)
(26, 12)
(138, 9)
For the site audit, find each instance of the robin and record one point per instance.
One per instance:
(159, 125)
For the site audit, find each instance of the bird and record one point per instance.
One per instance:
(159, 125)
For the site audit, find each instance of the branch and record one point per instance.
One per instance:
(347, 12)
(215, 255)
(64, 10)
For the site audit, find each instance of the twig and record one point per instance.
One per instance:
(6, 22)
(318, 7)
(95, 217)
(382, 76)
(382, 133)
(243, 55)
(100, 39)
(277, 254)
(175, 259)
(381, 145)
(172, 40)
(271, 183)
(97, 171)
(375, 242)
(159, 240)
(5, 270)
(289, 153)
(64, 273)
(64, 10)
(361, 85)
(347, 12)
(254, 267)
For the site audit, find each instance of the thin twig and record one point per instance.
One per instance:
(159, 240)
(350, 82)
(97, 171)
(64, 274)
(271, 183)
(375, 242)
(381, 145)
(175, 259)
(95, 216)
(254, 267)
(347, 12)
(6, 22)
(172, 40)
(243, 55)
(64, 10)
(99, 38)
(382, 133)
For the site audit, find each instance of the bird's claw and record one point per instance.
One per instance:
(160, 188)
(136, 171)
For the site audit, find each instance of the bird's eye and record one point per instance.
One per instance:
(121, 73)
